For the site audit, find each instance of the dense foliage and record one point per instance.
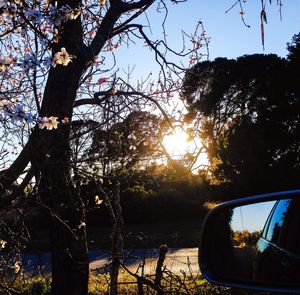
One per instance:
(249, 109)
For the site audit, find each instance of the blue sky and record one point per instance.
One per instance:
(229, 37)
(251, 217)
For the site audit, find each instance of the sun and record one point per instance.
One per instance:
(178, 144)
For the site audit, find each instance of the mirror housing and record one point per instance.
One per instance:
(218, 250)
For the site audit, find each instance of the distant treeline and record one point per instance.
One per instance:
(151, 197)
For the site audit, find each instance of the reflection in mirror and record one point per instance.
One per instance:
(258, 242)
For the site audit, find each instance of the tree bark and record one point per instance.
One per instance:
(67, 232)
(67, 236)
(70, 268)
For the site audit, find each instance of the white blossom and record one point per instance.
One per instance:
(61, 58)
(6, 63)
(63, 14)
(48, 122)
(132, 147)
(17, 267)
(82, 224)
(98, 201)
(131, 136)
(2, 244)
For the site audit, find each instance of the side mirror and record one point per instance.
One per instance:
(254, 243)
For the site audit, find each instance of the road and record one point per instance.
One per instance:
(177, 260)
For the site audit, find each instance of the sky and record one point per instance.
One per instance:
(251, 217)
(229, 36)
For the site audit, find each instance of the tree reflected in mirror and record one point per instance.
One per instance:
(257, 243)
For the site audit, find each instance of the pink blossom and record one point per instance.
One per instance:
(102, 80)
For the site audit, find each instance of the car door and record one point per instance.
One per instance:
(277, 251)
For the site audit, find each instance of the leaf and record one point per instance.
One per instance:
(263, 16)
(262, 35)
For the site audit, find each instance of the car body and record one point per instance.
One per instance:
(277, 256)
(275, 266)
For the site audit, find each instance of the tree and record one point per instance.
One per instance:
(126, 144)
(115, 148)
(53, 62)
(249, 119)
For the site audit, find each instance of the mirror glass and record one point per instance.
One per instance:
(257, 243)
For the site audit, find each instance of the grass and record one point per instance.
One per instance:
(99, 284)
(32, 286)
(179, 285)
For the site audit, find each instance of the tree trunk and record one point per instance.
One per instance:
(70, 268)
(67, 228)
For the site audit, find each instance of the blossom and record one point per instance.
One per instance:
(16, 111)
(61, 58)
(5, 63)
(132, 147)
(73, 14)
(21, 113)
(131, 136)
(98, 201)
(6, 106)
(29, 62)
(48, 122)
(102, 2)
(17, 267)
(6, 60)
(34, 15)
(82, 224)
(43, 122)
(2, 244)
(102, 80)
(63, 14)
(92, 33)
(52, 123)
(56, 17)
(28, 117)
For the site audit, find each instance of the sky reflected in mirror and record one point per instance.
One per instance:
(251, 217)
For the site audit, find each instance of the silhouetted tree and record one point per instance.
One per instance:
(249, 113)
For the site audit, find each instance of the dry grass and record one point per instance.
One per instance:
(99, 285)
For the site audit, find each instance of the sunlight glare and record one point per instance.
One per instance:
(176, 144)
